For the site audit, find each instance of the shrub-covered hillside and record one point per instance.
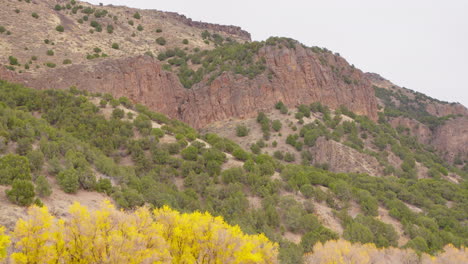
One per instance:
(94, 142)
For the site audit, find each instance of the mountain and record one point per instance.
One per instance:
(279, 69)
(149, 108)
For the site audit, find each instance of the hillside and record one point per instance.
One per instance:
(80, 142)
(209, 77)
(151, 110)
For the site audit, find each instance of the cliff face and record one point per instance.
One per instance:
(451, 139)
(298, 77)
(232, 30)
(342, 158)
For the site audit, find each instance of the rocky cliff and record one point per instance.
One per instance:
(231, 30)
(295, 76)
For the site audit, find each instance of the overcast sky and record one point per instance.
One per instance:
(418, 44)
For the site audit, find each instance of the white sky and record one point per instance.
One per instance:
(418, 44)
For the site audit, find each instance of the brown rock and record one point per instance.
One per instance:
(421, 131)
(299, 78)
(452, 138)
(341, 158)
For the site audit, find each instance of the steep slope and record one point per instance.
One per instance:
(83, 56)
(296, 76)
(440, 124)
(95, 142)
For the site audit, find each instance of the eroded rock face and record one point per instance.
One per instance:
(232, 30)
(297, 77)
(421, 131)
(451, 139)
(341, 158)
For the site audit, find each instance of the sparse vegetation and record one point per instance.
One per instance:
(50, 64)
(161, 41)
(115, 46)
(13, 60)
(110, 29)
(242, 131)
(60, 28)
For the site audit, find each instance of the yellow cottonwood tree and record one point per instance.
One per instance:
(143, 236)
(4, 243)
(343, 252)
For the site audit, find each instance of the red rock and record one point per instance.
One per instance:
(298, 78)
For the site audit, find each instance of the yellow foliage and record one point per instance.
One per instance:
(4, 243)
(112, 236)
(343, 252)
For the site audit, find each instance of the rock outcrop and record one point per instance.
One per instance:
(341, 158)
(232, 30)
(451, 139)
(298, 77)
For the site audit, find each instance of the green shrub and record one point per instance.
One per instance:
(2, 29)
(67, 61)
(115, 46)
(118, 113)
(158, 30)
(50, 64)
(137, 15)
(276, 125)
(57, 7)
(185, 41)
(289, 157)
(161, 41)
(22, 193)
(35, 15)
(59, 28)
(50, 53)
(140, 28)
(43, 188)
(94, 24)
(131, 23)
(110, 29)
(68, 180)
(13, 60)
(242, 131)
(14, 167)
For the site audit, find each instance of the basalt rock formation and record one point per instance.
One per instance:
(449, 138)
(298, 76)
(231, 30)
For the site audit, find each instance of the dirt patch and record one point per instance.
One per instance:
(255, 202)
(326, 217)
(292, 237)
(354, 209)
(386, 218)
(58, 203)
